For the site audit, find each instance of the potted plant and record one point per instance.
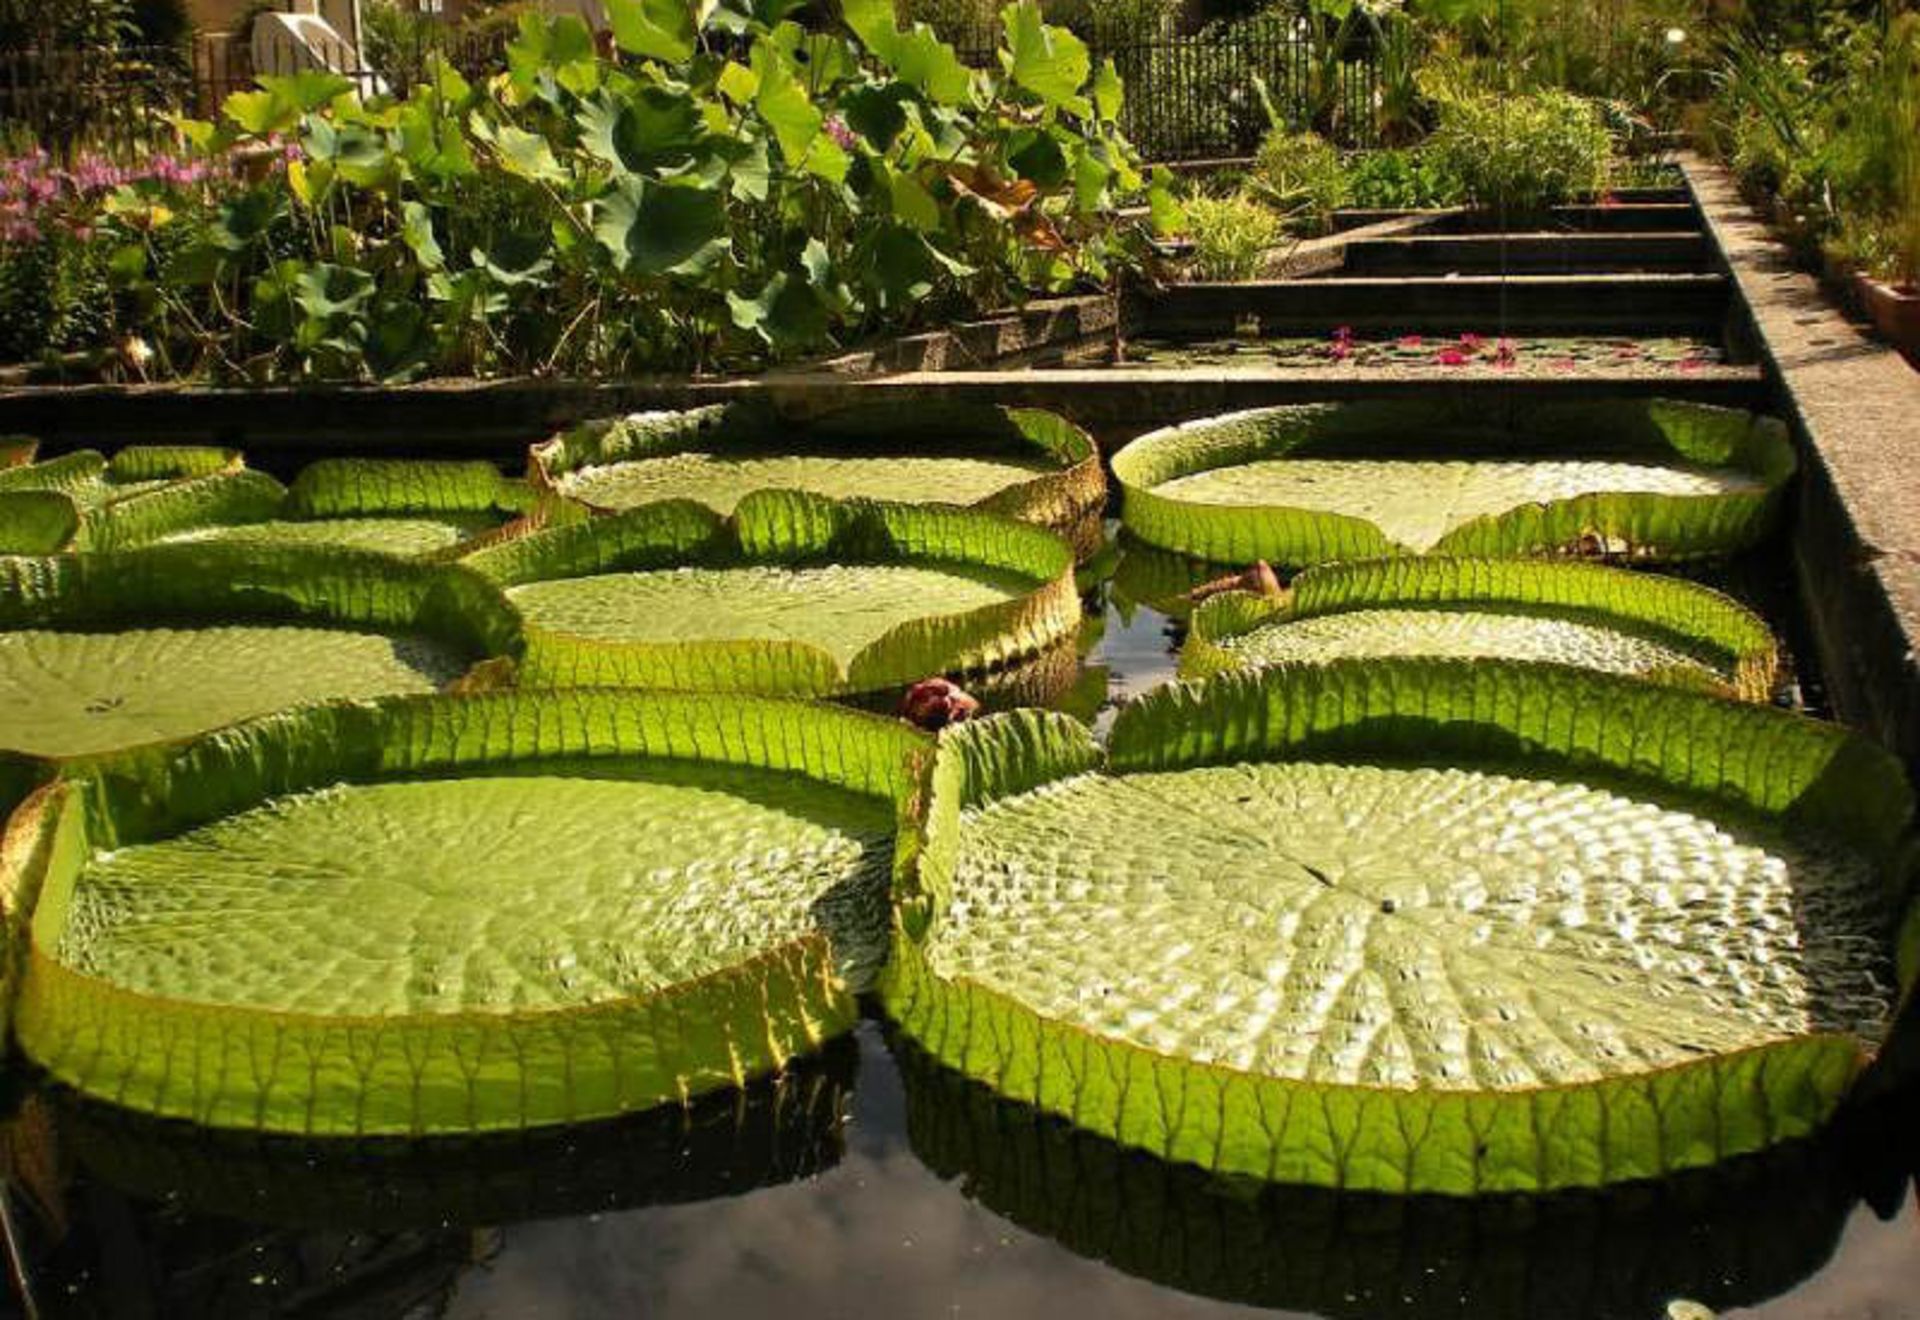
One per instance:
(1889, 283)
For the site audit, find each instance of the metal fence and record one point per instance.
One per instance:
(1192, 96)
(1189, 96)
(119, 101)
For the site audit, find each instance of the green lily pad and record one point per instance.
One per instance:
(456, 914)
(408, 538)
(794, 594)
(1306, 485)
(841, 608)
(81, 501)
(114, 650)
(1569, 613)
(542, 887)
(76, 693)
(1025, 464)
(406, 507)
(1417, 504)
(1450, 926)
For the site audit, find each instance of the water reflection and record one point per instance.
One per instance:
(921, 1194)
(1730, 1236)
(122, 1214)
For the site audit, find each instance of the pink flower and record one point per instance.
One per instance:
(837, 130)
(1471, 343)
(1503, 353)
(1450, 357)
(1690, 364)
(1409, 341)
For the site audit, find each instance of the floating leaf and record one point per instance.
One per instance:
(81, 502)
(1304, 485)
(795, 594)
(406, 507)
(1412, 926)
(1027, 464)
(1580, 614)
(722, 896)
(114, 650)
(1739, 1235)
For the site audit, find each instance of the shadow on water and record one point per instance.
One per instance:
(118, 1214)
(1729, 1236)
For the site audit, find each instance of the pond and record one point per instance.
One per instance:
(872, 1182)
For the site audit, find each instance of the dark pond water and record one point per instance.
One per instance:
(871, 1183)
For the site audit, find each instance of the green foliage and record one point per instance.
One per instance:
(1833, 129)
(1522, 154)
(1232, 236)
(1401, 179)
(666, 207)
(1300, 174)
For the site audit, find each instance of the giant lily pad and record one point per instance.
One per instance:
(81, 501)
(453, 914)
(1580, 614)
(105, 651)
(1412, 925)
(1305, 485)
(1020, 462)
(406, 507)
(795, 594)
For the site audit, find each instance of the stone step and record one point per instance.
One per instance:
(1607, 218)
(1477, 254)
(1662, 304)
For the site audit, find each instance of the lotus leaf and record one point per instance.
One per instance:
(1020, 462)
(1570, 613)
(795, 594)
(1305, 485)
(1412, 925)
(117, 649)
(441, 914)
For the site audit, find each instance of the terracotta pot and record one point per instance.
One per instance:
(1895, 313)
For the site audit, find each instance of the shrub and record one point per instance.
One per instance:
(1231, 236)
(1402, 180)
(1300, 175)
(1831, 130)
(663, 207)
(1523, 153)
